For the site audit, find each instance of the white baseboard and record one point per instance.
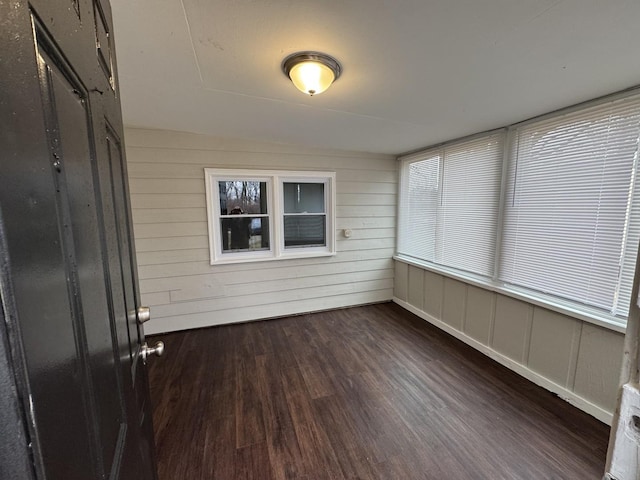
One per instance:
(564, 393)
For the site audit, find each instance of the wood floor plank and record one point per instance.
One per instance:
(315, 447)
(368, 393)
(248, 412)
(219, 456)
(282, 444)
(252, 463)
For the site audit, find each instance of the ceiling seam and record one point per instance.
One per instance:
(543, 12)
(298, 104)
(193, 47)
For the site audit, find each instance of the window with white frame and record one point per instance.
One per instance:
(257, 215)
(449, 204)
(571, 224)
(563, 225)
(304, 213)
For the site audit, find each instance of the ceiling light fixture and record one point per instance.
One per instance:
(311, 72)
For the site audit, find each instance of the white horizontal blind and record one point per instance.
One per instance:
(449, 205)
(468, 215)
(418, 206)
(569, 226)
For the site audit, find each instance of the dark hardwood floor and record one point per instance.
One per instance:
(362, 393)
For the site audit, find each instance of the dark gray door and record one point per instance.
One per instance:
(69, 286)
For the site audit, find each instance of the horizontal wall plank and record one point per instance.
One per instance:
(346, 205)
(367, 244)
(182, 256)
(169, 215)
(243, 301)
(171, 243)
(197, 185)
(167, 201)
(193, 274)
(183, 229)
(151, 170)
(312, 262)
(167, 185)
(155, 298)
(255, 160)
(235, 315)
(363, 233)
(366, 199)
(365, 222)
(172, 256)
(176, 229)
(365, 187)
(268, 270)
(348, 174)
(241, 289)
(365, 211)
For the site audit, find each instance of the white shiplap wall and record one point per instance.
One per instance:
(166, 175)
(577, 360)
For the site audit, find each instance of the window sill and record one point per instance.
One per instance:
(586, 314)
(289, 256)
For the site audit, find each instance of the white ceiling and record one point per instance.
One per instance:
(416, 72)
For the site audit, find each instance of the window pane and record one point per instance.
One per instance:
(303, 197)
(242, 197)
(304, 231)
(418, 213)
(570, 224)
(468, 217)
(245, 234)
(449, 205)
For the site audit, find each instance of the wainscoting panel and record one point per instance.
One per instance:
(575, 359)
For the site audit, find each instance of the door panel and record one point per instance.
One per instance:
(71, 271)
(126, 268)
(125, 306)
(75, 395)
(70, 133)
(122, 237)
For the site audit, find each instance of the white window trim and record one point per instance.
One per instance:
(275, 209)
(212, 177)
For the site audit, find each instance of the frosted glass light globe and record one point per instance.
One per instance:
(311, 77)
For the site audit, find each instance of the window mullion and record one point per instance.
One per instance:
(277, 208)
(629, 223)
(506, 159)
(440, 217)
